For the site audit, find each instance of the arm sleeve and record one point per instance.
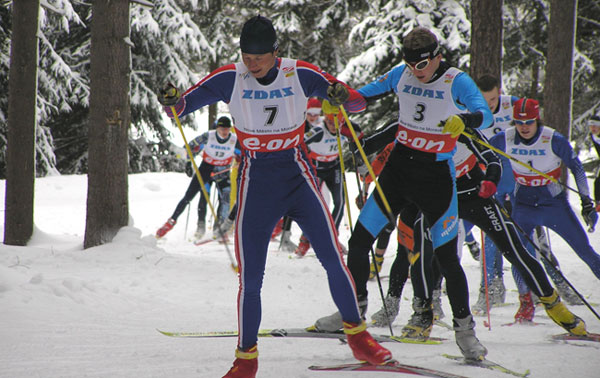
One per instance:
(499, 141)
(383, 85)
(217, 86)
(381, 138)
(315, 82)
(484, 155)
(313, 135)
(466, 95)
(197, 144)
(562, 148)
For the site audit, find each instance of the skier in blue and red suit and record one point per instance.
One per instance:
(539, 200)
(267, 97)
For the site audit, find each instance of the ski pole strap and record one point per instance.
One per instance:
(499, 151)
(384, 200)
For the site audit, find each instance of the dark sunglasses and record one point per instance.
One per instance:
(420, 65)
(524, 122)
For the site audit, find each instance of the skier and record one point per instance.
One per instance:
(539, 200)
(436, 102)
(283, 227)
(501, 107)
(476, 206)
(323, 146)
(313, 114)
(267, 97)
(219, 148)
(383, 238)
(594, 124)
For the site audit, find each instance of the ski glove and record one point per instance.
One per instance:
(487, 189)
(189, 170)
(354, 149)
(338, 94)
(454, 126)
(588, 212)
(169, 95)
(360, 200)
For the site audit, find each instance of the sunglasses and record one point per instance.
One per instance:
(527, 122)
(419, 65)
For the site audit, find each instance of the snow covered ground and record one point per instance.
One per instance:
(69, 312)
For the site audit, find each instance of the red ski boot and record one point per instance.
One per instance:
(245, 364)
(302, 247)
(277, 230)
(526, 310)
(168, 226)
(363, 346)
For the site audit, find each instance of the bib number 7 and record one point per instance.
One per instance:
(271, 114)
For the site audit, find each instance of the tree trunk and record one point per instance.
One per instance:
(110, 67)
(558, 86)
(212, 108)
(486, 38)
(20, 154)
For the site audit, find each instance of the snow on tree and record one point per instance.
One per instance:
(183, 40)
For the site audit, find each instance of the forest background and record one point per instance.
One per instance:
(180, 41)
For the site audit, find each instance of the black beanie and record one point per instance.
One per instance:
(223, 122)
(258, 36)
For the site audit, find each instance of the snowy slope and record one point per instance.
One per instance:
(68, 312)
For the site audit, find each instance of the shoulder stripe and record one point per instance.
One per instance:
(219, 71)
(300, 64)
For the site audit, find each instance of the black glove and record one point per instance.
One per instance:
(169, 95)
(338, 94)
(360, 201)
(189, 170)
(588, 212)
(354, 149)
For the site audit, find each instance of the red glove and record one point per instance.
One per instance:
(345, 131)
(487, 189)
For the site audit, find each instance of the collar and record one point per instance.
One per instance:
(272, 74)
(439, 72)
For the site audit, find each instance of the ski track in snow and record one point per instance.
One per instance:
(69, 312)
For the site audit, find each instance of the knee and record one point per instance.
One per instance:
(361, 239)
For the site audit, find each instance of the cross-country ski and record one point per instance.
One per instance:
(188, 186)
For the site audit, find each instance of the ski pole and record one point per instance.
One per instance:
(485, 280)
(343, 169)
(213, 174)
(560, 273)
(499, 151)
(388, 209)
(384, 200)
(187, 220)
(361, 194)
(204, 193)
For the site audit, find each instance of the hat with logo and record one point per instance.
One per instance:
(223, 121)
(258, 36)
(526, 108)
(313, 106)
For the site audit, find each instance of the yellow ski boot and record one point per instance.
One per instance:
(562, 316)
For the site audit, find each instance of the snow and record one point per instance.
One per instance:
(69, 312)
